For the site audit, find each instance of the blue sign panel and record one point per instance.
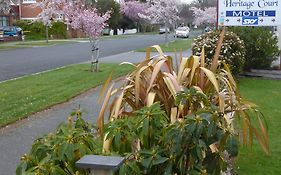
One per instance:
(249, 12)
(250, 21)
(242, 13)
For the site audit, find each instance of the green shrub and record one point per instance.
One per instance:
(261, 46)
(194, 145)
(232, 49)
(58, 30)
(56, 153)
(36, 30)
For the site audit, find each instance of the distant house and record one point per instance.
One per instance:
(23, 10)
(28, 12)
(7, 18)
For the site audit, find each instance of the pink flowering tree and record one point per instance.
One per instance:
(132, 9)
(164, 12)
(78, 16)
(90, 22)
(5, 6)
(50, 10)
(205, 17)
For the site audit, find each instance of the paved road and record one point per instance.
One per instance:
(19, 62)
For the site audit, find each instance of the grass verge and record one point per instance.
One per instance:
(178, 45)
(22, 97)
(267, 95)
(28, 44)
(9, 47)
(42, 43)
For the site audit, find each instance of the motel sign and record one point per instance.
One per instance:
(249, 13)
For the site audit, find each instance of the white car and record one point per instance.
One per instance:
(182, 32)
(162, 30)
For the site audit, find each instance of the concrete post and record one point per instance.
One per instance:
(100, 165)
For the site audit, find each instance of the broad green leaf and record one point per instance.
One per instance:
(147, 162)
(159, 160)
(232, 146)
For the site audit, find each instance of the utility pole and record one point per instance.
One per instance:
(20, 9)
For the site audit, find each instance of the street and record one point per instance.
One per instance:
(20, 62)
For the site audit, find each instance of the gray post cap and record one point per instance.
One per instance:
(100, 162)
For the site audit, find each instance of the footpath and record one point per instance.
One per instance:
(16, 139)
(268, 74)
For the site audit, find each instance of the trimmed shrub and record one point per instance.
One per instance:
(261, 46)
(58, 30)
(32, 30)
(36, 30)
(232, 49)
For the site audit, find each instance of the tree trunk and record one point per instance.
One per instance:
(166, 34)
(95, 54)
(47, 34)
(115, 31)
(138, 27)
(174, 28)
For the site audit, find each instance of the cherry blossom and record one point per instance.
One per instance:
(163, 12)
(50, 11)
(132, 9)
(205, 17)
(5, 6)
(78, 16)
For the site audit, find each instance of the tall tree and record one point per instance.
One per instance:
(104, 5)
(163, 12)
(78, 16)
(205, 17)
(203, 4)
(50, 10)
(133, 9)
(5, 6)
(186, 14)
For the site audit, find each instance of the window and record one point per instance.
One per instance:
(4, 21)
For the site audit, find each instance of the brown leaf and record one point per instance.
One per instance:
(100, 121)
(215, 61)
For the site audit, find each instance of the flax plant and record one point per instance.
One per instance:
(156, 79)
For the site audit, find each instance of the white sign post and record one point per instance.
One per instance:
(249, 13)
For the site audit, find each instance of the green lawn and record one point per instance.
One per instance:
(9, 47)
(42, 43)
(27, 44)
(179, 44)
(267, 95)
(22, 97)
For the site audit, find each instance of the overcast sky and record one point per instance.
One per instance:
(186, 1)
